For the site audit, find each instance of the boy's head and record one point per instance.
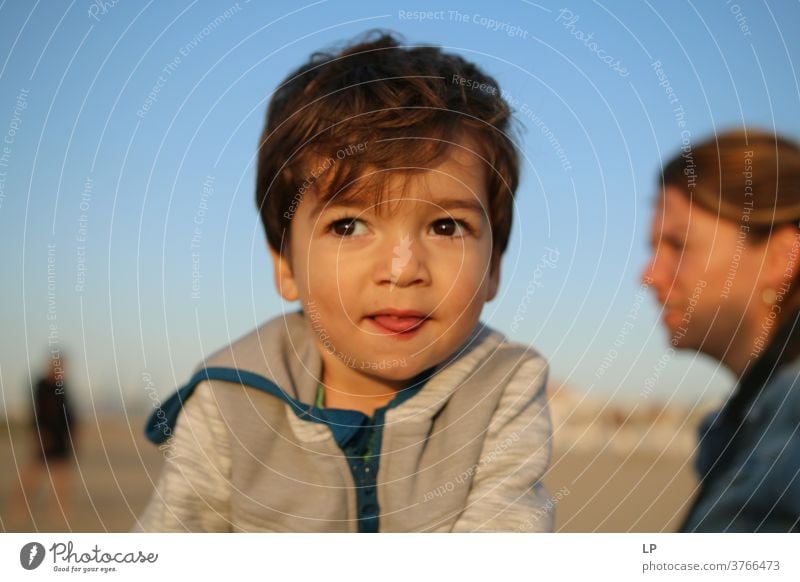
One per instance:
(385, 182)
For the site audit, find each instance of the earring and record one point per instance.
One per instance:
(769, 296)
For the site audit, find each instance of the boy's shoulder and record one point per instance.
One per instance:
(500, 351)
(508, 367)
(250, 349)
(513, 361)
(492, 345)
(522, 352)
(278, 349)
(478, 375)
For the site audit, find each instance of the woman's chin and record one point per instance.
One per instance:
(671, 320)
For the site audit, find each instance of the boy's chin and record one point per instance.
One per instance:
(398, 369)
(406, 370)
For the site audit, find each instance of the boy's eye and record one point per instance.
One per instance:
(450, 227)
(346, 227)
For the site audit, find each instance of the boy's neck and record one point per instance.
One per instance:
(348, 389)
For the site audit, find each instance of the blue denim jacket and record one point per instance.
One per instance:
(750, 473)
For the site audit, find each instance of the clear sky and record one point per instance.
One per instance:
(125, 125)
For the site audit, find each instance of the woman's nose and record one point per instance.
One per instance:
(658, 277)
(646, 278)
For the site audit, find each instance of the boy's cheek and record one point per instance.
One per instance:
(462, 299)
(468, 275)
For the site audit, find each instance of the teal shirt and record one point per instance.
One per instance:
(367, 439)
(359, 437)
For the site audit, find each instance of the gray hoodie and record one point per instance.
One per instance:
(465, 453)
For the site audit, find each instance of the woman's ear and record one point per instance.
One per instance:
(782, 256)
(284, 277)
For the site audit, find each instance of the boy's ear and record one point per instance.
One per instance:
(284, 278)
(494, 279)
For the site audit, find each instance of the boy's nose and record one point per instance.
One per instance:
(401, 262)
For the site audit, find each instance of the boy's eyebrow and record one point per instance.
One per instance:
(470, 204)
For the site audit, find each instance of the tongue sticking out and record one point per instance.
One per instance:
(398, 324)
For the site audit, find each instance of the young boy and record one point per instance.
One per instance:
(384, 404)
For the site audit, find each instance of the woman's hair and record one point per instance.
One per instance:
(750, 177)
(404, 105)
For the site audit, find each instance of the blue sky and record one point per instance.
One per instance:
(96, 153)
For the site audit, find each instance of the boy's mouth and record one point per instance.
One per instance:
(397, 321)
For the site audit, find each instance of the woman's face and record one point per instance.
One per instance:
(707, 274)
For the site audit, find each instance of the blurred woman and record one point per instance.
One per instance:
(726, 253)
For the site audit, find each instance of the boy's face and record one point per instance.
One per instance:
(426, 249)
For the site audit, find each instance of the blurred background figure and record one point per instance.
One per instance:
(54, 436)
(725, 256)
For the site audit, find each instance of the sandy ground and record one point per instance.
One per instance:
(598, 486)
(112, 478)
(605, 491)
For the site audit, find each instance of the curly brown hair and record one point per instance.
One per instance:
(379, 104)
